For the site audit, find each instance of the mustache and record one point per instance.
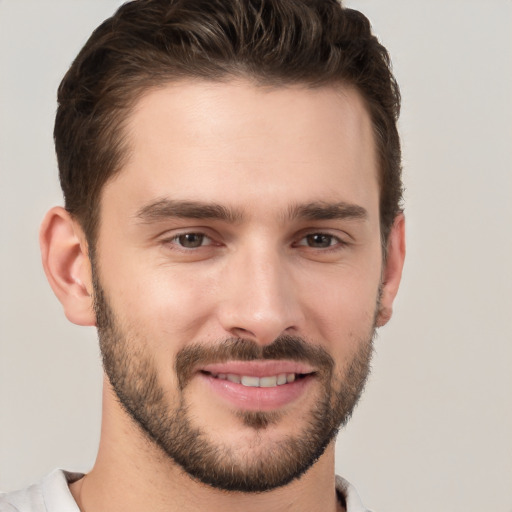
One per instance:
(292, 348)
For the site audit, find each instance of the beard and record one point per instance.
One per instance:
(167, 422)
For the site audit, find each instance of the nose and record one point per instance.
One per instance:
(259, 300)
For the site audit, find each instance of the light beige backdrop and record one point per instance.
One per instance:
(434, 430)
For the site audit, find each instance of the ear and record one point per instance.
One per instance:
(66, 263)
(392, 271)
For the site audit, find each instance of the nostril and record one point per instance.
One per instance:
(240, 332)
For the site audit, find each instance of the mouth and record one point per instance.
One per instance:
(252, 381)
(258, 385)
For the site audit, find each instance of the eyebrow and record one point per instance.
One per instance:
(321, 210)
(162, 209)
(168, 208)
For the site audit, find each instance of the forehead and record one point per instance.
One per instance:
(248, 145)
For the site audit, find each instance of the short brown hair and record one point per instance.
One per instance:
(152, 42)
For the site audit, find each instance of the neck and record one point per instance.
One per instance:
(132, 474)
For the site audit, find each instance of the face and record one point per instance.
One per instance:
(237, 275)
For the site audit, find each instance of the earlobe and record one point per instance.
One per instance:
(392, 271)
(66, 264)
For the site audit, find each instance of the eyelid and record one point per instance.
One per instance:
(171, 238)
(341, 240)
(204, 238)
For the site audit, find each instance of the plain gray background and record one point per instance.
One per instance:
(434, 429)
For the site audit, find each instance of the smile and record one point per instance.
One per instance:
(258, 385)
(258, 382)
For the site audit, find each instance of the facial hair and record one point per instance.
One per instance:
(134, 378)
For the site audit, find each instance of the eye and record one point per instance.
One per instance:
(191, 240)
(320, 241)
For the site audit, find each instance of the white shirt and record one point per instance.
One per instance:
(52, 494)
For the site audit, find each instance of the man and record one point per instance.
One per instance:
(232, 226)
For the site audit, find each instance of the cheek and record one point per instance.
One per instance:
(165, 304)
(344, 305)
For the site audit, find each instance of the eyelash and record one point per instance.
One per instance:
(177, 241)
(338, 242)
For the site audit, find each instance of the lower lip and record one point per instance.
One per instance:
(258, 398)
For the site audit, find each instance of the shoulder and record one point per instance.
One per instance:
(49, 495)
(349, 494)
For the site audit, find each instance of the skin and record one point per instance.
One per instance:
(259, 152)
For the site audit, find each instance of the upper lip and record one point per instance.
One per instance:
(258, 368)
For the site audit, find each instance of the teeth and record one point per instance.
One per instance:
(281, 379)
(252, 382)
(268, 382)
(257, 382)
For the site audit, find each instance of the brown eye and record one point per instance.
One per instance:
(320, 240)
(191, 240)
